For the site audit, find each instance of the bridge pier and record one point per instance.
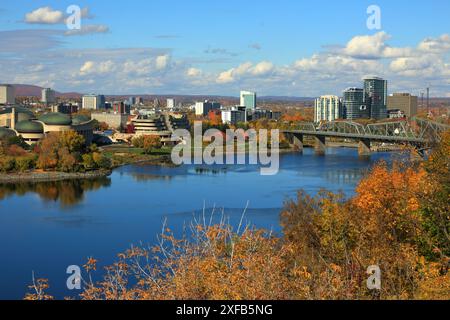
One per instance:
(320, 145)
(297, 140)
(364, 147)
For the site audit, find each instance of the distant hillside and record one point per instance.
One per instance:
(27, 90)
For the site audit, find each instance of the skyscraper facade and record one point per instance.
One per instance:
(354, 104)
(248, 99)
(375, 96)
(327, 108)
(48, 96)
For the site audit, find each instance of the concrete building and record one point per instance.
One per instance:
(67, 108)
(48, 96)
(328, 108)
(254, 115)
(375, 96)
(162, 125)
(7, 94)
(93, 102)
(248, 99)
(113, 120)
(404, 102)
(234, 115)
(354, 106)
(170, 104)
(203, 108)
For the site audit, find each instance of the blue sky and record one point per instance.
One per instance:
(298, 48)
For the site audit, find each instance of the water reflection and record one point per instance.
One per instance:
(68, 193)
(344, 176)
(143, 177)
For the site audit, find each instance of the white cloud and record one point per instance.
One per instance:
(439, 45)
(225, 77)
(373, 47)
(45, 15)
(246, 69)
(103, 67)
(162, 62)
(87, 67)
(193, 72)
(263, 68)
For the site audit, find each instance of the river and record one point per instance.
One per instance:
(46, 227)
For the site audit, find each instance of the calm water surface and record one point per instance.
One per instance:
(46, 227)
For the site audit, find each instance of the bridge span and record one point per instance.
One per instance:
(419, 133)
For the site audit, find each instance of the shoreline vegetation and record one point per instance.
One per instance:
(51, 176)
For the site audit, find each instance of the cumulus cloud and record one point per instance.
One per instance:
(193, 72)
(438, 45)
(263, 68)
(44, 15)
(244, 70)
(373, 47)
(98, 68)
(162, 62)
(87, 29)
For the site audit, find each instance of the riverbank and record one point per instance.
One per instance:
(42, 176)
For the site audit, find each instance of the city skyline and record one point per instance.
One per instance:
(282, 49)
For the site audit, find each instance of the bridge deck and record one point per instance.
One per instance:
(358, 136)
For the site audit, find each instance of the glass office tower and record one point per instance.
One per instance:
(375, 96)
(248, 99)
(354, 105)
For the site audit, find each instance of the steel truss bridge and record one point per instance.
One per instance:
(419, 133)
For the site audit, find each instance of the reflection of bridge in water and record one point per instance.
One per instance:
(343, 176)
(419, 133)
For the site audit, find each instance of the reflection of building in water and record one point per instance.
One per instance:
(344, 176)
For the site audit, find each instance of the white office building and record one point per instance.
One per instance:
(203, 108)
(48, 96)
(328, 108)
(7, 94)
(93, 102)
(248, 99)
(170, 104)
(234, 115)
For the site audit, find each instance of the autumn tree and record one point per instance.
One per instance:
(151, 143)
